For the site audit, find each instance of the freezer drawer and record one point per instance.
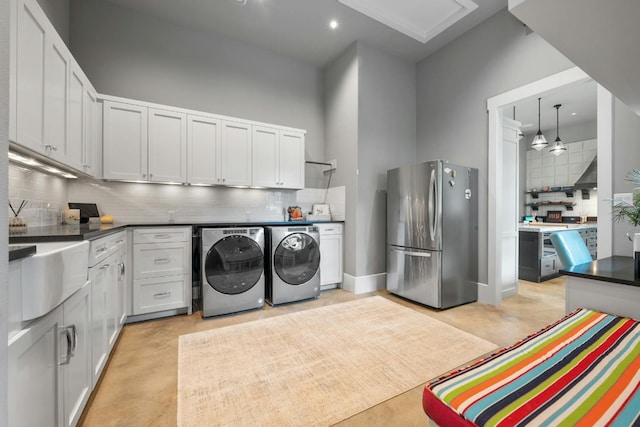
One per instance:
(414, 274)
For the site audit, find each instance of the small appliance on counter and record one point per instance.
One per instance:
(87, 210)
(295, 213)
(319, 212)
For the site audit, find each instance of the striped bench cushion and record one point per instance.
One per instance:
(582, 370)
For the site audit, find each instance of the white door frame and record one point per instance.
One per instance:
(492, 293)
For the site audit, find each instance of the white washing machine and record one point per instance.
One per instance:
(293, 266)
(232, 270)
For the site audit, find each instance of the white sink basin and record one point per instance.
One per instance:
(52, 275)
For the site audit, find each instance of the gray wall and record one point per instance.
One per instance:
(4, 226)
(131, 55)
(453, 87)
(626, 156)
(386, 140)
(58, 13)
(341, 130)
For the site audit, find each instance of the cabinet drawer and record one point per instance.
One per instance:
(331, 229)
(160, 235)
(165, 293)
(160, 259)
(105, 246)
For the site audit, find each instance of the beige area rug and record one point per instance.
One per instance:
(315, 367)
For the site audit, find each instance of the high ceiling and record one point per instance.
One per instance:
(300, 28)
(578, 106)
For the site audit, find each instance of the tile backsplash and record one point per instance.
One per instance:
(46, 196)
(545, 169)
(136, 203)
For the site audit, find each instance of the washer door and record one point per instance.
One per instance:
(234, 265)
(297, 258)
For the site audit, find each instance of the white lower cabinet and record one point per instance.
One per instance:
(50, 366)
(108, 297)
(161, 269)
(331, 254)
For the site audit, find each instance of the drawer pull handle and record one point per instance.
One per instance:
(119, 241)
(99, 251)
(161, 261)
(161, 236)
(162, 294)
(104, 267)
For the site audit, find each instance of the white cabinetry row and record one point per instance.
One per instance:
(56, 360)
(54, 109)
(145, 142)
(50, 365)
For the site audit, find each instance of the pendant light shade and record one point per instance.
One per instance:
(558, 146)
(539, 141)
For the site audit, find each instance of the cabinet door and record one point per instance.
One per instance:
(77, 109)
(30, 51)
(34, 383)
(291, 159)
(236, 153)
(123, 289)
(265, 159)
(77, 373)
(167, 146)
(92, 147)
(100, 276)
(203, 150)
(330, 259)
(125, 141)
(56, 99)
(161, 259)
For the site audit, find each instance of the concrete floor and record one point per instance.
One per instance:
(139, 385)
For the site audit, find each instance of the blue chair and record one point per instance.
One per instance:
(570, 248)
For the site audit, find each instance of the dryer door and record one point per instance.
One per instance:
(234, 265)
(297, 258)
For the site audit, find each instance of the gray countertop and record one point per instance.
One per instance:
(91, 231)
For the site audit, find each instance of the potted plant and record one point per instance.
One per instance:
(630, 211)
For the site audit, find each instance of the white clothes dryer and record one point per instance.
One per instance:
(232, 270)
(293, 266)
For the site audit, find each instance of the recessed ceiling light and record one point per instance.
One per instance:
(574, 114)
(333, 24)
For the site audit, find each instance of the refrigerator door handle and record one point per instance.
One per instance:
(412, 253)
(433, 205)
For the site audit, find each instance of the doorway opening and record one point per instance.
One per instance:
(502, 224)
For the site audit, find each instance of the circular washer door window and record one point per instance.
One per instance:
(234, 265)
(297, 258)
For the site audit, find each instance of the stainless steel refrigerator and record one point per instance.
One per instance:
(432, 233)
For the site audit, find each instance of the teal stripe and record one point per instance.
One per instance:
(578, 393)
(630, 414)
(491, 399)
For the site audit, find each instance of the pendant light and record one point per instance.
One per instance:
(558, 147)
(539, 141)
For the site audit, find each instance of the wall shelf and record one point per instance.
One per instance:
(567, 190)
(566, 204)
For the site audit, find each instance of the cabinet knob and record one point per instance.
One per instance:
(144, 175)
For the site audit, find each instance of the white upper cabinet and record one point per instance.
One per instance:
(144, 144)
(49, 108)
(77, 110)
(92, 147)
(167, 146)
(28, 52)
(125, 141)
(204, 136)
(291, 159)
(265, 157)
(235, 166)
(278, 158)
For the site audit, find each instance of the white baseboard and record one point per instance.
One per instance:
(364, 284)
(484, 293)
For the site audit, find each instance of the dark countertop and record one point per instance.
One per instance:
(17, 252)
(615, 269)
(91, 231)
